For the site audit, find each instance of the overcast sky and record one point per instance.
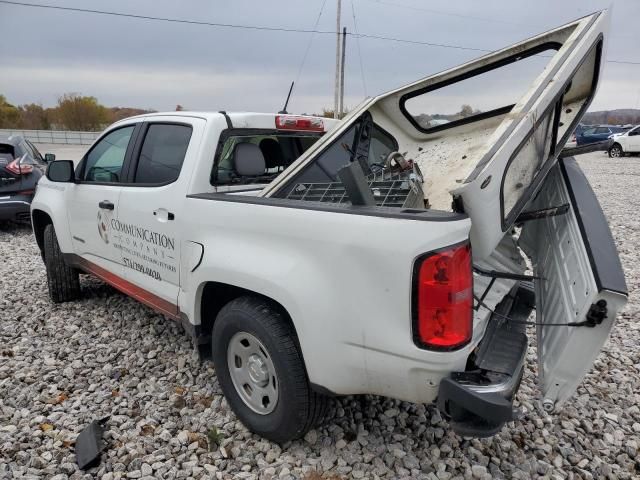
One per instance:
(149, 64)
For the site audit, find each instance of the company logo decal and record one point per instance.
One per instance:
(143, 250)
(104, 224)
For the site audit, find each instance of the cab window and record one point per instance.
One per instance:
(104, 162)
(162, 153)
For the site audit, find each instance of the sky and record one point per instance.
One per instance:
(45, 53)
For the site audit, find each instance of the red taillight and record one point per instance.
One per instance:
(18, 168)
(443, 298)
(292, 122)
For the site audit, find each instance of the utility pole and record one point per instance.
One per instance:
(336, 94)
(344, 49)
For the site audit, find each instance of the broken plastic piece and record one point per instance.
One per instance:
(89, 444)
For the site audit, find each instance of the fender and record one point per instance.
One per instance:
(50, 198)
(284, 284)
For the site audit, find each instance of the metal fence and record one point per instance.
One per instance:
(55, 136)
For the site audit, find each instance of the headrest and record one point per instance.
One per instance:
(248, 160)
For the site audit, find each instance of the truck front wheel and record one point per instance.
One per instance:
(616, 151)
(261, 370)
(63, 280)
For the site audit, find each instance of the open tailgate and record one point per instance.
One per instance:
(581, 280)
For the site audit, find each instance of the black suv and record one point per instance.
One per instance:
(21, 166)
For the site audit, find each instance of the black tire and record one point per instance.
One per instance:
(63, 280)
(298, 407)
(616, 151)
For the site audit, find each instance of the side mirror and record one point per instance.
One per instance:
(49, 157)
(61, 171)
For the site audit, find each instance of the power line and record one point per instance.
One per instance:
(355, 27)
(232, 25)
(306, 52)
(261, 27)
(164, 19)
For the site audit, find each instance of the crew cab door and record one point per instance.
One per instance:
(93, 201)
(150, 220)
(579, 280)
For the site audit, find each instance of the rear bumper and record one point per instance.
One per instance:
(15, 207)
(479, 401)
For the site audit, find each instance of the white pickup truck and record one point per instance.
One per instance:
(389, 255)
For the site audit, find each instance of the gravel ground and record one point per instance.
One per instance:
(62, 366)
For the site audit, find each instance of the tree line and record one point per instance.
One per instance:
(72, 112)
(625, 116)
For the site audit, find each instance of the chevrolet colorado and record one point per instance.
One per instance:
(400, 253)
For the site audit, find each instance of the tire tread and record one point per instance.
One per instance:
(63, 281)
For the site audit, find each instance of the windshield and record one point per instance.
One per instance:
(278, 149)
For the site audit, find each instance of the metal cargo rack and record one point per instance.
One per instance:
(389, 189)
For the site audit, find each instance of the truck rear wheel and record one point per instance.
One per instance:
(63, 280)
(261, 370)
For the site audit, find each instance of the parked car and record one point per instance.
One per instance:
(381, 261)
(573, 142)
(627, 142)
(600, 133)
(21, 166)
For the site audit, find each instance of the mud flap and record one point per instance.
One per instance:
(581, 280)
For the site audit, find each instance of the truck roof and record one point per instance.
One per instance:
(238, 119)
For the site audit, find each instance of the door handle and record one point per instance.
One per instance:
(164, 215)
(106, 204)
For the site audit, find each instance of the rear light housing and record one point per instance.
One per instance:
(294, 122)
(442, 300)
(17, 167)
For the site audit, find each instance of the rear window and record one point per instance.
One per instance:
(346, 148)
(278, 149)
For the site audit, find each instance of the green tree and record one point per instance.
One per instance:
(9, 114)
(76, 112)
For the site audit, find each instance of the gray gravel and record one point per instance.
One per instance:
(62, 366)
